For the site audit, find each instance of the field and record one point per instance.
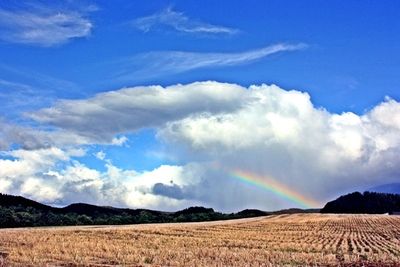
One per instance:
(288, 240)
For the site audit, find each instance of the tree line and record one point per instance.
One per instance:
(17, 211)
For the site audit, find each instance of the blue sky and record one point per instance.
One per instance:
(345, 55)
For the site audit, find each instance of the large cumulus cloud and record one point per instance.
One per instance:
(213, 128)
(281, 134)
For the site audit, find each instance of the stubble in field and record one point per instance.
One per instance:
(299, 240)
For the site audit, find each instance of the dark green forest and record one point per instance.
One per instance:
(16, 211)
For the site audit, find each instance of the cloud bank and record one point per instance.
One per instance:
(211, 128)
(132, 109)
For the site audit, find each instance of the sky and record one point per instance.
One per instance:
(225, 104)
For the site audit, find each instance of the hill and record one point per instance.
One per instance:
(368, 202)
(17, 211)
(9, 200)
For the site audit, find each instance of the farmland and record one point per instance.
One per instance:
(291, 240)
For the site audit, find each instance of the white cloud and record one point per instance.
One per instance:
(179, 22)
(52, 176)
(171, 62)
(28, 162)
(100, 155)
(141, 186)
(39, 189)
(24, 171)
(261, 129)
(119, 141)
(5, 185)
(270, 114)
(43, 26)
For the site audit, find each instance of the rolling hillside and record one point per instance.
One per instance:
(367, 202)
(17, 211)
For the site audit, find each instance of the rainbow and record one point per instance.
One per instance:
(275, 187)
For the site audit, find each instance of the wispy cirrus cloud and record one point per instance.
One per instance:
(179, 22)
(22, 89)
(171, 62)
(43, 26)
(17, 95)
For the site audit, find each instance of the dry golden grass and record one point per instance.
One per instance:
(285, 240)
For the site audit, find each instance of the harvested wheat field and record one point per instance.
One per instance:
(285, 240)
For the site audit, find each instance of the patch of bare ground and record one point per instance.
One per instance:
(285, 240)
